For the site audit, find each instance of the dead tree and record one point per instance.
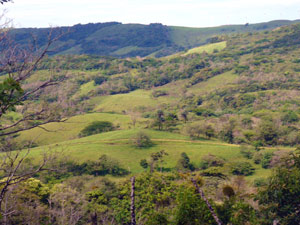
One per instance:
(212, 211)
(132, 206)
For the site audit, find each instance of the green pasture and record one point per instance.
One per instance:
(209, 48)
(214, 83)
(119, 145)
(133, 101)
(68, 130)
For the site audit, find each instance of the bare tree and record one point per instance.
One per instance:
(17, 64)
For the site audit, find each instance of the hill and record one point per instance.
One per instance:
(130, 40)
(241, 87)
(225, 114)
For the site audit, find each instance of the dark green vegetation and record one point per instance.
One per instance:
(96, 128)
(130, 40)
(161, 198)
(224, 116)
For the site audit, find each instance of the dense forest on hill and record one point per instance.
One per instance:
(210, 133)
(130, 40)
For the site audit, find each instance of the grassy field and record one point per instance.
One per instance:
(118, 145)
(86, 88)
(214, 83)
(209, 48)
(70, 129)
(130, 102)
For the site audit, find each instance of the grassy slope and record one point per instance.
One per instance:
(118, 145)
(208, 48)
(139, 100)
(72, 127)
(130, 102)
(214, 83)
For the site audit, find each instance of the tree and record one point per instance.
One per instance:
(157, 157)
(280, 198)
(159, 120)
(144, 163)
(184, 162)
(18, 64)
(268, 132)
(142, 140)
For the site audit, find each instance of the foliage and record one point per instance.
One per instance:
(183, 163)
(246, 152)
(211, 161)
(158, 93)
(280, 198)
(266, 160)
(96, 128)
(191, 209)
(142, 140)
(242, 168)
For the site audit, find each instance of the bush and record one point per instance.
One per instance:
(99, 80)
(242, 168)
(184, 163)
(107, 165)
(142, 140)
(204, 112)
(246, 152)
(213, 172)
(158, 93)
(211, 161)
(96, 128)
(266, 160)
(260, 182)
(257, 157)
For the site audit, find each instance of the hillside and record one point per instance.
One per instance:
(239, 87)
(130, 40)
(224, 115)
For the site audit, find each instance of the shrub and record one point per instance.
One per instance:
(290, 117)
(246, 152)
(158, 93)
(257, 157)
(211, 161)
(142, 140)
(259, 182)
(266, 160)
(213, 172)
(107, 165)
(242, 168)
(184, 163)
(99, 80)
(96, 128)
(144, 163)
(204, 112)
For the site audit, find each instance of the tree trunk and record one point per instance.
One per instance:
(94, 218)
(132, 207)
(212, 211)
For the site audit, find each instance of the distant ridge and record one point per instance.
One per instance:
(130, 40)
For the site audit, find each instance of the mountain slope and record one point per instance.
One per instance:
(130, 40)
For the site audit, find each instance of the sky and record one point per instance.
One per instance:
(190, 13)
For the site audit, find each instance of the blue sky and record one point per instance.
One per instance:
(192, 13)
